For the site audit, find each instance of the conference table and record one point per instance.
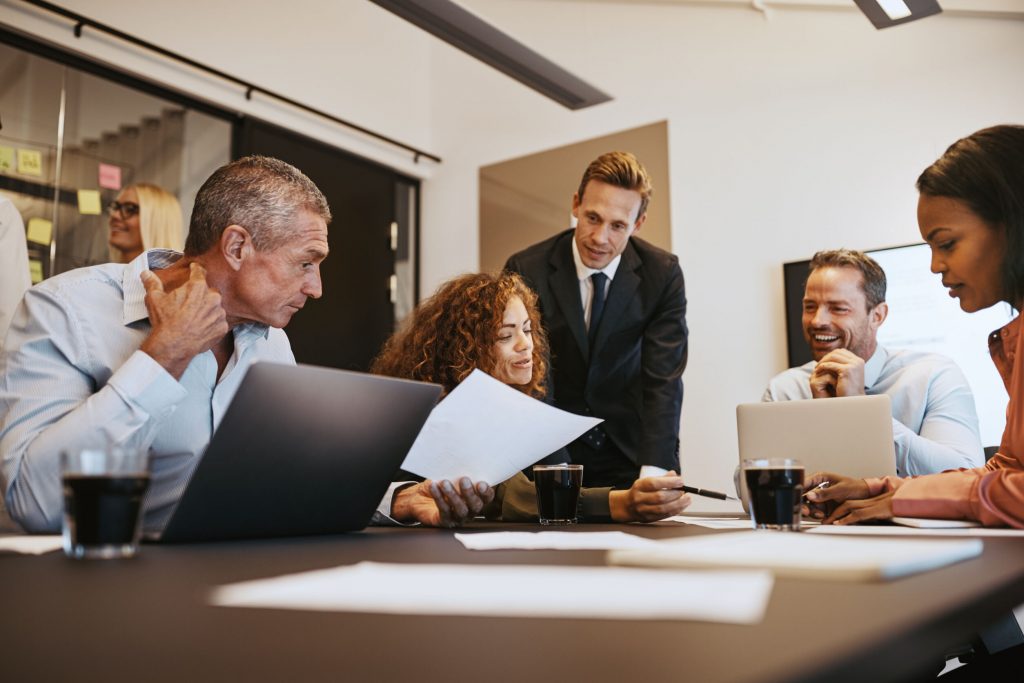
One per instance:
(149, 619)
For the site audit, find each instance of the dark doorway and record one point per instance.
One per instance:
(346, 327)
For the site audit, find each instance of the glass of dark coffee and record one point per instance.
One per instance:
(776, 487)
(103, 493)
(558, 492)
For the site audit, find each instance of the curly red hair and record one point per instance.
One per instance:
(454, 332)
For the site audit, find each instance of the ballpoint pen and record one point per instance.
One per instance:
(822, 485)
(706, 493)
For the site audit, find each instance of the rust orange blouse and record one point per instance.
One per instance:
(993, 494)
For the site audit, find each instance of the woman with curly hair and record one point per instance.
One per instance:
(492, 323)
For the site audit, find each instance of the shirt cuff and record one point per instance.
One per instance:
(652, 471)
(382, 516)
(143, 382)
(879, 485)
(946, 495)
(594, 506)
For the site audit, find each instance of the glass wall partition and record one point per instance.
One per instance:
(30, 103)
(71, 141)
(75, 134)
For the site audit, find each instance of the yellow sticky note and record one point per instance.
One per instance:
(30, 162)
(40, 230)
(35, 269)
(6, 160)
(89, 202)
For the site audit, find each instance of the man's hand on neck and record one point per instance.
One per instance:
(186, 315)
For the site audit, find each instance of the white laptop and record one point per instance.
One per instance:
(850, 435)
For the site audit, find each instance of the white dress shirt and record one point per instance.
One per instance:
(583, 273)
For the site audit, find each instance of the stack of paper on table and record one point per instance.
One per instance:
(804, 555)
(477, 432)
(513, 591)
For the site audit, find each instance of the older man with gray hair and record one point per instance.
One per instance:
(148, 354)
(935, 425)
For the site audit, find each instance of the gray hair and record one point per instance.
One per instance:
(873, 277)
(262, 194)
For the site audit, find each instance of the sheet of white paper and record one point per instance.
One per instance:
(930, 523)
(513, 591)
(803, 555)
(30, 545)
(871, 530)
(553, 540)
(714, 522)
(727, 522)
(488, 431)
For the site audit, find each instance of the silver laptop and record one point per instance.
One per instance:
(301, 450)
(850, 435)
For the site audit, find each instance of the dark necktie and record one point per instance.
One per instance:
(596, 303)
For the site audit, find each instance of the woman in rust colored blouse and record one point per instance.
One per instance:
(971, 214)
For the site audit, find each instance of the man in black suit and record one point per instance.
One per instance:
(614, 309)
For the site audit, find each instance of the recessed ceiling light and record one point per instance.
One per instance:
(896, 9)
(886, 13)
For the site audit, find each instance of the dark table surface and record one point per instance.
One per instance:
(148, 618)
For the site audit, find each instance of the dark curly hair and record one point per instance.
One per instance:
(454, 332)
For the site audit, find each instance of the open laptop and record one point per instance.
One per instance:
(301, 450)
(850, 435)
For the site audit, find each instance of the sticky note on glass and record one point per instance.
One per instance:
(35, 270)
(110, 176)
(40, 230)
(6, 159)
(89, 202)
(30, 162)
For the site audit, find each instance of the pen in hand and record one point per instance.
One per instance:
(822, 485)
(706, 493)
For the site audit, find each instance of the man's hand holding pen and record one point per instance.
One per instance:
(649, 499)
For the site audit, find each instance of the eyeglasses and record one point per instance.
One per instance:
(127, 209)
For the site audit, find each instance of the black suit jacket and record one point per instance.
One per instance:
(632, 378)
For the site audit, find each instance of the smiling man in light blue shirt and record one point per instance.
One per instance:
(935, 424)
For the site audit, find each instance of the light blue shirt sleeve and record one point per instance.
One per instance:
(949, 436)
(50, 404)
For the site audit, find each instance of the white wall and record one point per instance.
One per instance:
(786, 135)
(347, 57)
(802, 132)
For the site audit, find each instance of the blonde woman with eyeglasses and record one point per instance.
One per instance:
(144, 216)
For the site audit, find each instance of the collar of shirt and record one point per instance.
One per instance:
(135, 293)
(583, 273)
(873, 366)
(1002, 345)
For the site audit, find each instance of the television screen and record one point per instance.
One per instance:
(922, 317)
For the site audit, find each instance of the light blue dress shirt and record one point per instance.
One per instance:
(72, 376)
(935, 424)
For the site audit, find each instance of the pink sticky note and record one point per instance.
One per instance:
(110, 176)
